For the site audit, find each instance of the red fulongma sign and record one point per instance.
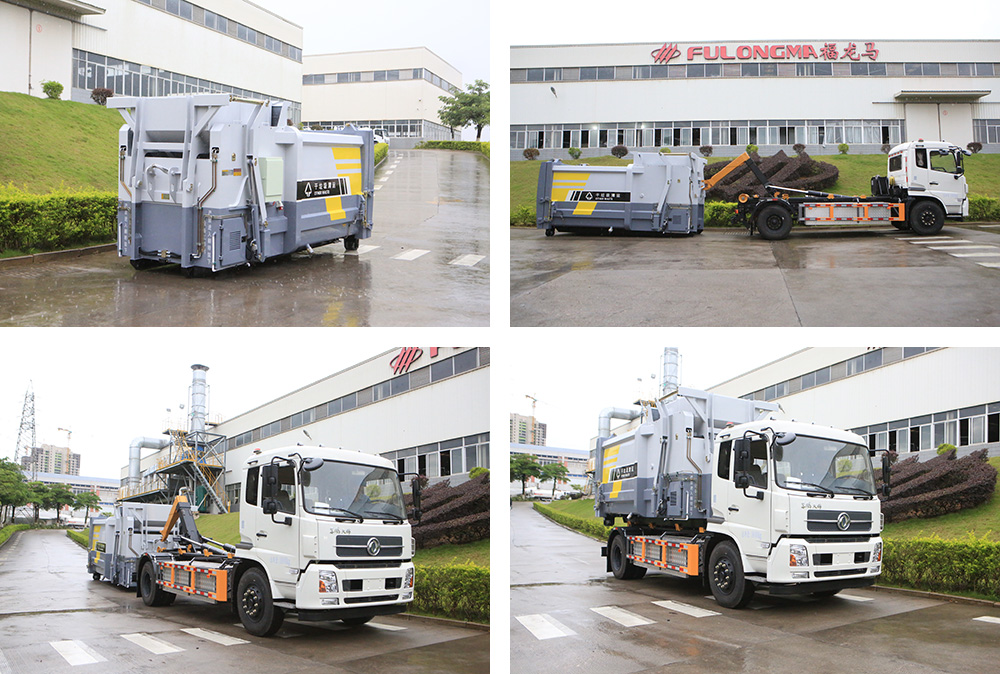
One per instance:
(777, 52)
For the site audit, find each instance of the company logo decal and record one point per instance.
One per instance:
(402, 362)
(373, 546)
(774, 52)
(665, 53)
(624, 472)
(843, 521)
(315, 189)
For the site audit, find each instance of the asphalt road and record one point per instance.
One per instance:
(816, 277)
(55, 618)
(426, 264)
(569, 615)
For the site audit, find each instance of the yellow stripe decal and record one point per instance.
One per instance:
(348, 161)
(616, 488)
(572, 177)
(335, 208)
(585, 208)
(610, 459)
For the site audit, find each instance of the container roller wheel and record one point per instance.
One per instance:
(551, 231)
(351, 242)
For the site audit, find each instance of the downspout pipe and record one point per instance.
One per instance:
(135, 451)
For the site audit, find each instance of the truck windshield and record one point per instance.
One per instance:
(831, 465)
(340, 487)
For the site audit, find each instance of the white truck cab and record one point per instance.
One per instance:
(932, 170)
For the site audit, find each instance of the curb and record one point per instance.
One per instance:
(39, 258)
(446, 622)
(937, 595)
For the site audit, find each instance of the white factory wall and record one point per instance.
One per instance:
(36, 47)
(937, 381)
(206, 54)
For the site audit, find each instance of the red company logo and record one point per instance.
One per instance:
(405, 358)
(665, 53)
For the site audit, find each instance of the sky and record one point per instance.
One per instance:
(574, 381)
(456, 31)
(109, 386)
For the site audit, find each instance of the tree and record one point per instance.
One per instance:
(555, 472)
(522, 467)
(13, 490)
(52, 89)
(88, 500)
(59, 496)
(38, 495)
(463, 108)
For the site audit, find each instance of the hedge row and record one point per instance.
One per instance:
(54, 221)
(9, 531)
(592, 527)
(459, 591)
(984, 209)
(472, 145)
(941, 485)
(80, 537)
(459, 514)
(381, 151)
(937, 565)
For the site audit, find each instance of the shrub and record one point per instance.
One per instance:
(885, 148)
(100, 95)
(450, 145)
(619, 151)
(664, 150)
(459, 591)
(984, 209)
(843, 148)
(381, 152)
(574, 152)
(706, 150)
(523, 216)
(52, 89)
(939, 486)
(751, 148)
(484, 147)
(798, 148)
(53, 221)
(944, 447)
(719, 213)
(81, 538)
(458, 514)
(801, 172)
(971, 565)
(530, 153)
(974, 147)
(477, 471)
(9, 531)
(593, 527)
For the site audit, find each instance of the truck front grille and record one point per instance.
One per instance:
(369, 600)
(842, 572)
(357, 546)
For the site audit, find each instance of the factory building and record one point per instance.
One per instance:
(575, 461)
(395, 90)
(905, 399)
(426, 409)
(131, 47)
(684, 95)
(105, 488)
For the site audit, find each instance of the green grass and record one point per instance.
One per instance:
(222, 528)
(982, 171)
(981, 522)
(48, 145)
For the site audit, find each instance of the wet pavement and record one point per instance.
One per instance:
(816, 277)
(558, 579)
(426, 264)
(47, 598)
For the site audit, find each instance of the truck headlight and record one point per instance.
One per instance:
(408, 578)
(877, 555)
(327, 581)
(798, 555)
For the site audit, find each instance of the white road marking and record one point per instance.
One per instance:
(362, 249)
(388, 172)
(5, 667)
(468, 260)
(621, 616)
(988, 619)
(543, 627)
(388, 628)
(960, 247)
(214, 636)
(918, 239)
(382, 180)
(991, 265)
(77, 652)
(851, 597)
(151, 643)
(975, 254)
(411, 254)
(378, 187)
(687, 609)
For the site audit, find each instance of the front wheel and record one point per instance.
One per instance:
(257, 611)
(729, 586)
(621, 567)
(774, 222)
(926, 218)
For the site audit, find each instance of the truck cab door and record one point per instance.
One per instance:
(276, 536)
(748, 513)
(946, 179)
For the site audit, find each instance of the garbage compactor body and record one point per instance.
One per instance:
(656, 193)
(211, 181)
(117, 541)
(661, 471)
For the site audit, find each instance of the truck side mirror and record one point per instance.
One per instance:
(885, 475)
(741, 456)
(415, 487)
(269, 481)
(270, 506)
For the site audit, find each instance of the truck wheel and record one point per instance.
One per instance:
(551, 231)
(152, 594)
(926, 218)
(351, 242)
(901, 225)
(258, 613)
(356, 622)
(729, 586)
(620, 564)
(774, 222)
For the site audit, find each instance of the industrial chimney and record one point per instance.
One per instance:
(199, 399)
(670, 366)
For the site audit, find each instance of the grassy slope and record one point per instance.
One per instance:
(226, 529)
(48, 145)
(982, 173)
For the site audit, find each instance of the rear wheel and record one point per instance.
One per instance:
(729, 586)
(152, 594)
(96, 576)
(900, 224)
(356, 622)
(257, 611)
(351, 242)
(774, 222)
(551, 231)
(620, 564)
(926, 218)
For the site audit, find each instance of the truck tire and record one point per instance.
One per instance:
(551, 231)
(351, 242)
(621, 567)
(774, 222)
(356, 622)
(901, 225)
(725, 576)
(926, 218)
(152, 594)
(258, 613)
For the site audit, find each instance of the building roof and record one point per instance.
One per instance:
(62, 477)
(541, 449)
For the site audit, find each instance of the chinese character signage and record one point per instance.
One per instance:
(828, 51)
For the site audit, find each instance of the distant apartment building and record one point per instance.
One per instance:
(526, 430)
(51, 459)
